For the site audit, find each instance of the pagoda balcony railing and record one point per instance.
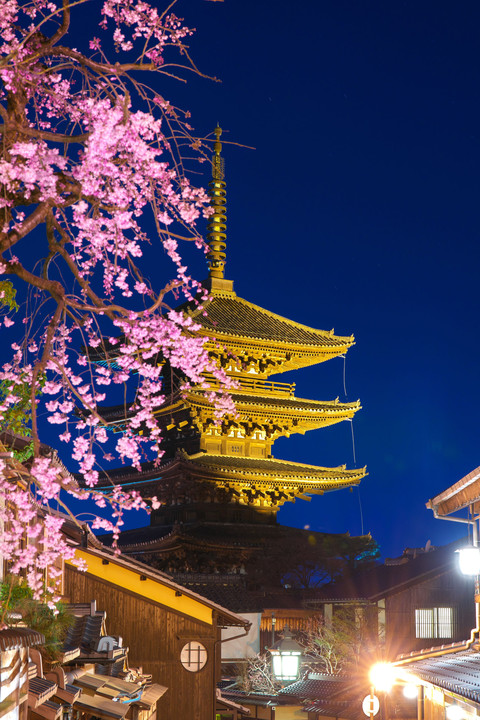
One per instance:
(256, 386)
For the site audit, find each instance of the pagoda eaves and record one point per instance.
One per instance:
(277, 416)
(262, 483)
(262, 341)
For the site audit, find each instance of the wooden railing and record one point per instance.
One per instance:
(256, 386)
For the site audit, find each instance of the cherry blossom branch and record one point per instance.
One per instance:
(38, 216)
(89, 157)
(39, 369)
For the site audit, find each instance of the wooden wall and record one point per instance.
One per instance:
(155, 636)
(296, 619)
(450, 589)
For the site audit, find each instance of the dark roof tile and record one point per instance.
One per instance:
(234, 316)
(15, 637)
(458, 672)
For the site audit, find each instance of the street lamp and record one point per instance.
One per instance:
(286, 657)
(469, 560)
(382, 676)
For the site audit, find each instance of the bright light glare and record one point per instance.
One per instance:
(285, 667)
(454, 712)
(410, 691)
(382, 676)
(469, 558)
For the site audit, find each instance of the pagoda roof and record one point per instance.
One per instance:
(290, 404)
(242, 326)
(235, 322)
(281, 474)
(299, 414)
(284, 471)
(304, 413)
(212, 535)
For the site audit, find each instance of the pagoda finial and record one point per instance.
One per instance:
(217, 227)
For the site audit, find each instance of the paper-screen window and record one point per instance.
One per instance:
(434, 622)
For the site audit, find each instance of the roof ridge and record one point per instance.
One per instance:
(258, 308)
(272, 460)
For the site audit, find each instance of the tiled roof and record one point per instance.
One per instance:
(311, 476)
(49, 710)
(151, 694)
(261, 464)
(283, 470)
(383, 579)
(234, 316)
(293, 403)
(101, 707)
(40, 690)
(318, 687)
(85, 632)
(16, 637)
(458, 672)
(227, 534)
(229, 704)
(340, 696)
(350, 709)
(250, 698)
(246, 403)
(230, 593)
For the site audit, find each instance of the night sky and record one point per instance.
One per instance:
(358, 210)
(353, 175)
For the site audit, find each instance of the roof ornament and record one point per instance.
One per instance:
(217, 227)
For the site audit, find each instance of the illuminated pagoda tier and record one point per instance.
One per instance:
(224, 472)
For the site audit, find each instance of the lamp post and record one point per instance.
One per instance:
(469, 561)
(383, 677)
(286, 657)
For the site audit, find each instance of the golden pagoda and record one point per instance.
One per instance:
(224, 470)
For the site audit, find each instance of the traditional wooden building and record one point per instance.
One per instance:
(173, 633)
(447, 680)
(218, 480)
(416, 600)
(448, 677)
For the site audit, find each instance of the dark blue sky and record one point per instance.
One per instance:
(358, 210)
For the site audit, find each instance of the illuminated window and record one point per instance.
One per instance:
(434, 622)
(193, 656)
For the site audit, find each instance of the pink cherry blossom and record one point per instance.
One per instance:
(91, 176)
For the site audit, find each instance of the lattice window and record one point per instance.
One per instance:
(193, 656)
(434, 622)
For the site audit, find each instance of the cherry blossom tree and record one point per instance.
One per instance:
(92, 173)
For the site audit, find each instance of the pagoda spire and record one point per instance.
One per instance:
(217, 227)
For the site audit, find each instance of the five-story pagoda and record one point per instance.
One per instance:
(218, 481)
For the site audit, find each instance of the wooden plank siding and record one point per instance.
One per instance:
(448, 589)
(155, 636)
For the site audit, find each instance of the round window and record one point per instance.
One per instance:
(193, 656)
